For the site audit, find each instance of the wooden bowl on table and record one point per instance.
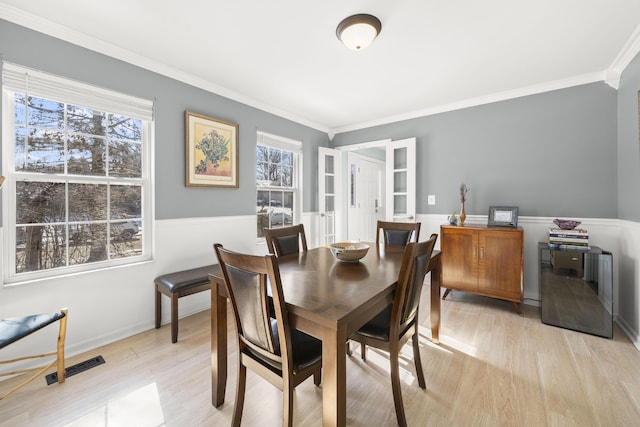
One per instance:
(349, 251)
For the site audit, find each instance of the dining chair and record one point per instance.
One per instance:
(268, 346)
(392, 327)
(15, 328)
(285, 240)
(397, 233)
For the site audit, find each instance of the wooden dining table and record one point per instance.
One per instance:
(329, 300)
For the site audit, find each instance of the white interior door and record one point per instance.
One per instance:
(330, 198)
(365, 196)
(401, 180)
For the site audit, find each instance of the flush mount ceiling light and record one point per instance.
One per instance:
(358, 31)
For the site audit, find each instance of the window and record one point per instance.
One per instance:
(278, 180)
(77, 161)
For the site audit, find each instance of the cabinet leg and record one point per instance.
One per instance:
(517, 307)
(446, 292)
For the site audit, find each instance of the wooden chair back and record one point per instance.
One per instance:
(249, 281)
(410, 280)
(286, 240)
(397, 233)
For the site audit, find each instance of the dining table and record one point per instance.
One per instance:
(330, 300)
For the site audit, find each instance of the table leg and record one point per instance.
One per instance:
(334, 378)
(436, 277)
(218, 346)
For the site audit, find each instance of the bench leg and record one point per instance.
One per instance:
(158, 308)
(174, 317)
(62, 336)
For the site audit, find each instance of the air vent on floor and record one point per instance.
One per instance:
(76, 369)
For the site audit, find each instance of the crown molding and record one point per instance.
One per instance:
(611, 76)
(624, 58)
(77, 38)
(473, 102)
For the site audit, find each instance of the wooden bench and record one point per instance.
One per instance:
(177, 285)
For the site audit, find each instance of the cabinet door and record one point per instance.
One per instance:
(459, 258)
(500, 264)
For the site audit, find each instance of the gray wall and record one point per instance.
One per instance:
(552, 154)
(173, 200)
(629, 199)
(628, 143)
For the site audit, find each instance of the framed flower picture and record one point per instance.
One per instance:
(211, 151)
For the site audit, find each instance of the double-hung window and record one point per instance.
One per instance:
(78, 190)
(279, 182)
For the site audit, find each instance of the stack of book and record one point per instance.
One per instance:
(577, 238)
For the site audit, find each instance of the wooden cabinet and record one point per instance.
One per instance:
(483, 260)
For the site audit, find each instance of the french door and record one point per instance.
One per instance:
(401, 180)
(399, 194)
(330, 201)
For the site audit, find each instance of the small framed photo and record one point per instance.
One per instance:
(211, 152)
(503, 216)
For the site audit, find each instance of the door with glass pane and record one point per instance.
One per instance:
(329, 194)
(365, 182)
(401, 180)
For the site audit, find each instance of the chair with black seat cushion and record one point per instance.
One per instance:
(282, 355)
(15, 328)
(393, 326)
(286, 240)
(397, 233)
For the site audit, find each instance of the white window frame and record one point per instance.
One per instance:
(295, 147)
(19, 79)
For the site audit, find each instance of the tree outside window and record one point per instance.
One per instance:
(78, 177)
(67, 222)
(277, 191)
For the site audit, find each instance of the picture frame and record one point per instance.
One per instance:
(212, 157)
(503, 216)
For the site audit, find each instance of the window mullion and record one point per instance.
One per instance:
(66, 224)
(65, 151)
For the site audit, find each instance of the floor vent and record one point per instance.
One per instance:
(76, 369)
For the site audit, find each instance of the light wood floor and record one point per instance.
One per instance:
(493, 368)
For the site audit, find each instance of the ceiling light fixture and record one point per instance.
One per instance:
(358, 31)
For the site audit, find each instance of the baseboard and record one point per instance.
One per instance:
(532, 302)
(633, 335)
(99, 341)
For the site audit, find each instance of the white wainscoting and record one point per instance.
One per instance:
(111, 304)
(115, 303)
(627, 280)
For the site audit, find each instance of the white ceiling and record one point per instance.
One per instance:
(283, 56)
